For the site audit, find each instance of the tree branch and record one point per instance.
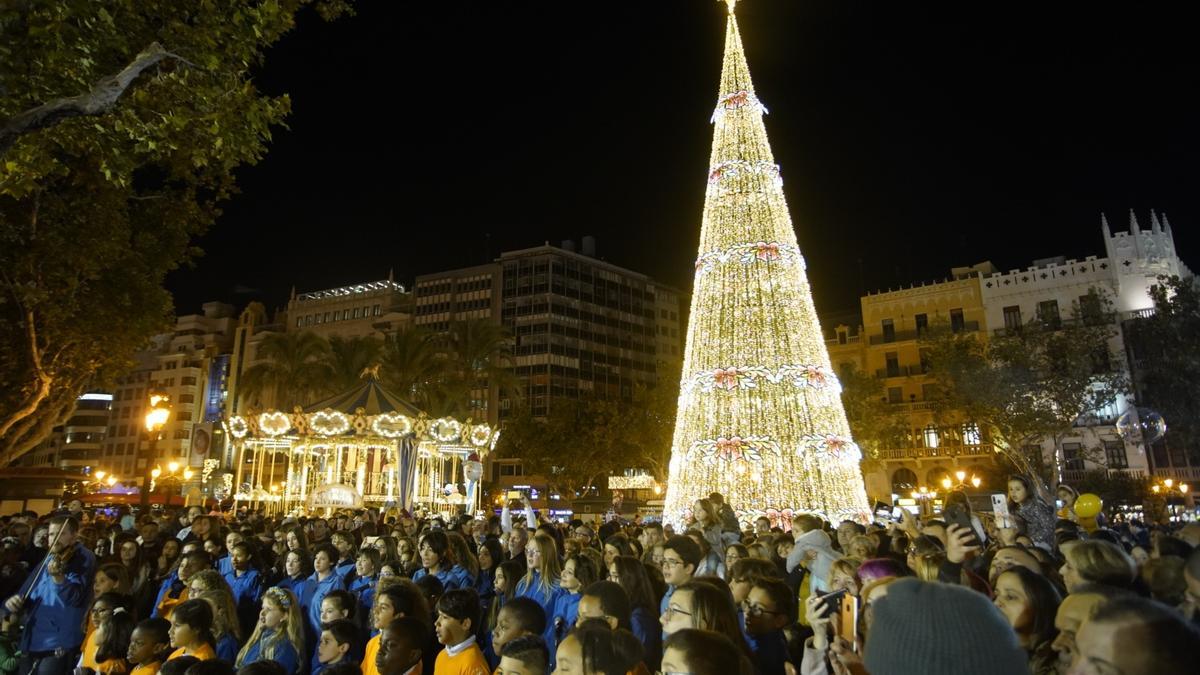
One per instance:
(102, 97)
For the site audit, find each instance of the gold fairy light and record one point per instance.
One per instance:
(760, 416)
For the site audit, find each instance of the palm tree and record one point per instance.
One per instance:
(480, 354)
(293, 368)
(348, 358)
(412, 367)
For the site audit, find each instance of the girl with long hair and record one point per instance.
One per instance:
(1025, 501)
(578, 573)
(388, 548)
(191, 630)
(211, 587)
(616, 545)
(708, 522)
(630, 574)
(463, 555)
(279, 634)
(705, 606)
(734, 553)
(1029, 601)
(297, 568)
(296, 539)
(489, 557)
(541, 580)
(438, 560)
(504, 584)
(105, 647)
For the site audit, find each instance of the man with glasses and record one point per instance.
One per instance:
(681, 555)
(769, 609)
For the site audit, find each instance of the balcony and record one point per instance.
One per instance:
(1188, 473)
(898, 371)
(912, 406)
(940, 452)
(1076, 475)
(904, 335)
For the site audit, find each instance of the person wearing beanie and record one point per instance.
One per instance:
(940, 629)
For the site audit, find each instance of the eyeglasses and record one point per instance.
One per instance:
(755, 610)
(531, 551)
(671, 562)
(669, 611)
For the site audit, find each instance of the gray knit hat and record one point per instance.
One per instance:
(926, 628)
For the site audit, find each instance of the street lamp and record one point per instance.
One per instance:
(924, 496)
(156, 418)
(172, 474)
(961, 475)
(1167, 488)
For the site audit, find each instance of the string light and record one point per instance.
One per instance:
(760, 418)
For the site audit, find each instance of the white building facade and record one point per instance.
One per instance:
(1053, 289)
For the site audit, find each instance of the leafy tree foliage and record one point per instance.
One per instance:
(1038, 381)
(1166, 353)
(121, 123)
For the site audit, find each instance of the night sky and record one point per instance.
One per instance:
(912, 137)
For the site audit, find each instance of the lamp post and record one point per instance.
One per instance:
(172, 474)
(962, 483)
(156, 418)
(1167, 488)
(924, 496)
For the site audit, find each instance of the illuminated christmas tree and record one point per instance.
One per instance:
(760, 416)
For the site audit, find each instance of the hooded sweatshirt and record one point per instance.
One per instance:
(819, 545)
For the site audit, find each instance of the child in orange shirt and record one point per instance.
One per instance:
(191, 630)
(105, 647)
(150, 646)
(457, 620)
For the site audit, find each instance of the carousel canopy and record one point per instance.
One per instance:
(370, 397)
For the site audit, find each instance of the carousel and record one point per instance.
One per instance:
(364, 447)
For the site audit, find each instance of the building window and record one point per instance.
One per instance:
(1048, 313)
(1072, 456)
(957, 324)
(1114, 452)
(893, 364)
(895, 395)
(841, 337)
(889, 331)
(922, 324)
(971, 434)
(1012, 318)
(904, 481)
(931, 436)
(375, 310)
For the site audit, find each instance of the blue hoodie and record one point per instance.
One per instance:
(285, 654)
(314, 592)
(455, 577)
(54, 611)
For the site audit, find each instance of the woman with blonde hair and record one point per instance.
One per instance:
(863, 547)
(211, 587)
(843, 574)
(1099, 562)
(541, 582)
(279, 635)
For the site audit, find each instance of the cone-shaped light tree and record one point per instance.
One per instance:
(760, 416)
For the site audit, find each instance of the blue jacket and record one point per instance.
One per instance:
(530, 587)
(363, 588)
(770, 653)
(285, 653)
(562, 619)
(455, 577)
(173, 586)
(314, 592)
(247, 588)
(648, 631)
(228, 648)
(345, 570)
(225, 564)
(295, 585)
(54, 612)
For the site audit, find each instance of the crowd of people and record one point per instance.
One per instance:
(368, 593)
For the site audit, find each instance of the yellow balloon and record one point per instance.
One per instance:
(1088, 505)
